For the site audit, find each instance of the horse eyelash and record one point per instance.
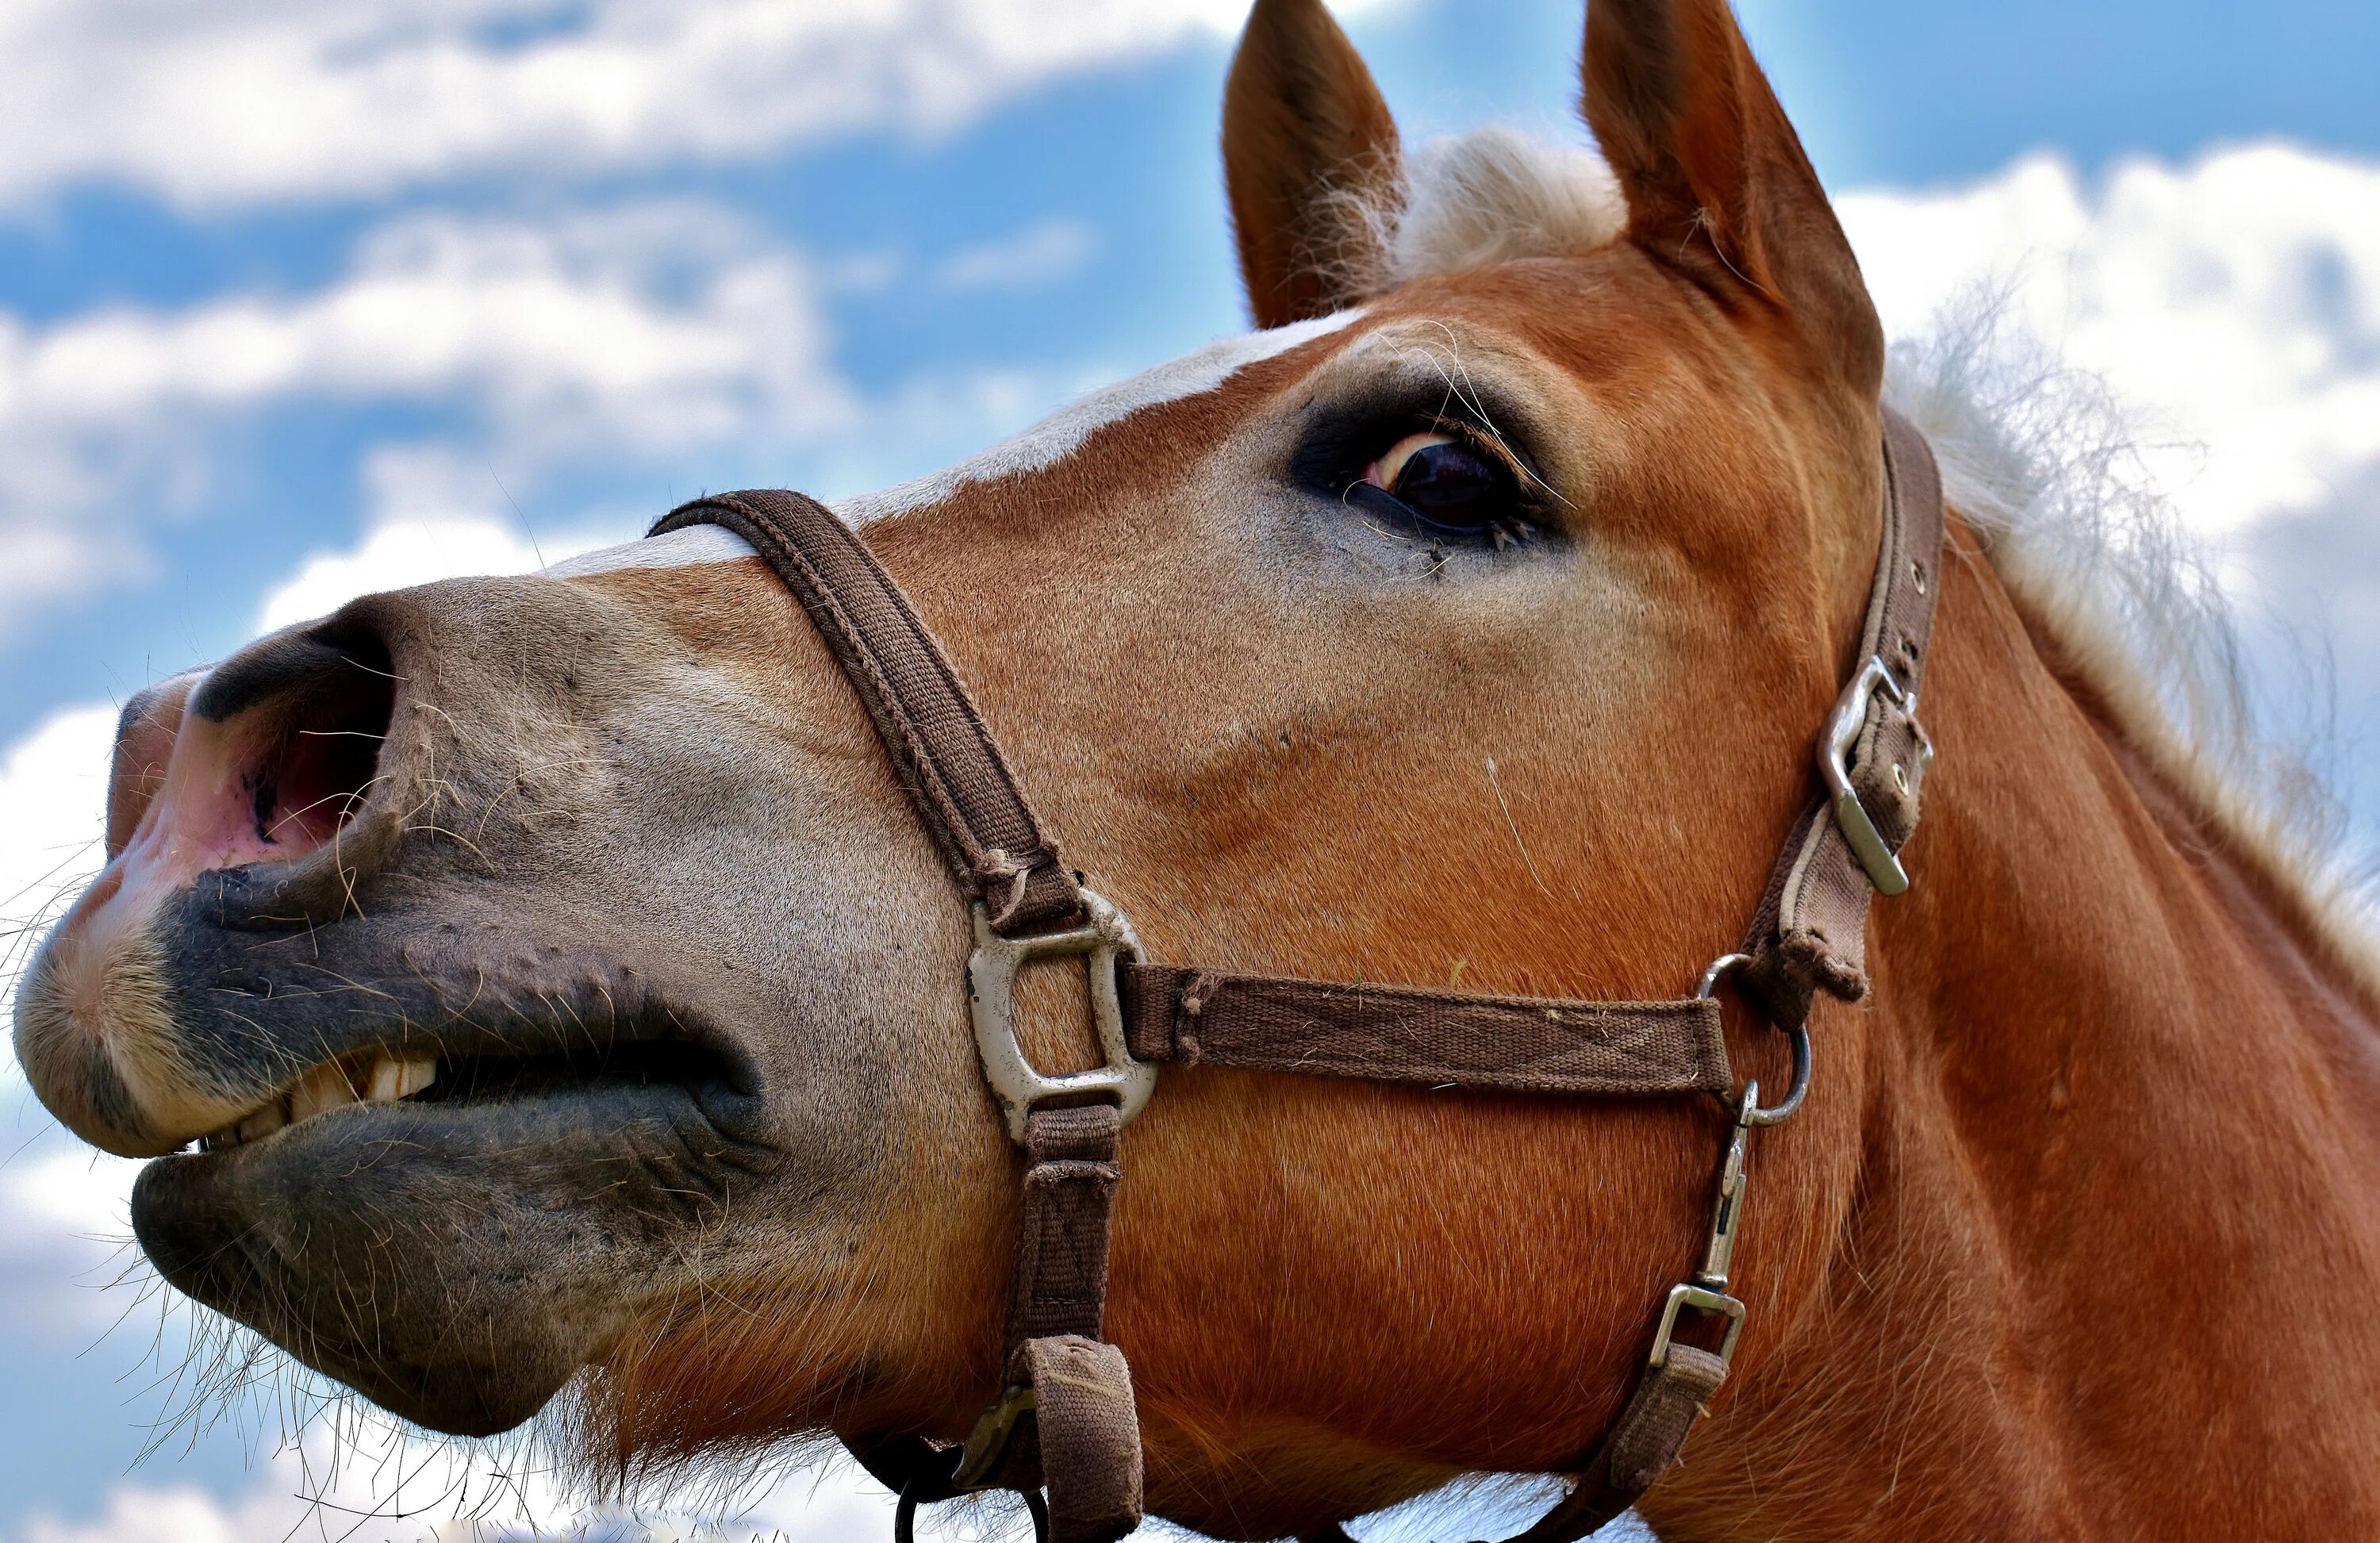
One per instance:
(1536, 492)
(1530, 489)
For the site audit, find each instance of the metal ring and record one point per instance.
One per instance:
(1721, 967)
(1776, 1114)
(1746, 1103)
(904, 1515)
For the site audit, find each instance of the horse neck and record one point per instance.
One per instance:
(2104, 1266)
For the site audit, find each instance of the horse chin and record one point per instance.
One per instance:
(455, 1265)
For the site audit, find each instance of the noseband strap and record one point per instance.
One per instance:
(945, 757)
(1065, 1418)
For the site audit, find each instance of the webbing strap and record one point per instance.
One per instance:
(1060, 1285)
(1810, 933)
(1081, 1439)
(945, 757)
(1436, 1038)
(1067, 1417)
(1084, 1440)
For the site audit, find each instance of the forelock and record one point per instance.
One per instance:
(1488, 195)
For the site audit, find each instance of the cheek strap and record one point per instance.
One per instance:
(1065, 1418)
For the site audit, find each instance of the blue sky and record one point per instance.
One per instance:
(1119, 158)
(278, 320)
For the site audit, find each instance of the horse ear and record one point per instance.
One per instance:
(1310, 155)
(1716, 178)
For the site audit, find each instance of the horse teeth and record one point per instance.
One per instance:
(392, 1079)
(325, 1087)
(264, 1121)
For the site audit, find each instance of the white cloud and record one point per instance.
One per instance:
(65, 1230)
(184, 1513)
(2234, 303)
(63, 1213)
(638, 336)
(67, 1190)
(323, 1489)
(433, 518)
(1052, 250)
(635, 334)
(245, 101)
(396, 557)
(53, 785)
(661, 323)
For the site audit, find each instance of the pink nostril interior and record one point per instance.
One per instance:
(275, 751)
(311, 777)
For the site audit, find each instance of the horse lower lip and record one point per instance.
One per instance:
(475, 1224)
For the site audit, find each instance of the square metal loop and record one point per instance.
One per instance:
(1104, 938)
(1702, 1300)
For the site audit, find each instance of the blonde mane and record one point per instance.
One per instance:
(2037, 460)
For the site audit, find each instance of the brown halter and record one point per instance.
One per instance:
(1065, 1418)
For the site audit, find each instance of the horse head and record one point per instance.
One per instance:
(560, 991)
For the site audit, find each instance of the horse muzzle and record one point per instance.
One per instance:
(408, 1127)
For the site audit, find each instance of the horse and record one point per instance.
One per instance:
(565, 1005)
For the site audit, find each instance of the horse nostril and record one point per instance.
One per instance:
(285, 742)
(321, 760)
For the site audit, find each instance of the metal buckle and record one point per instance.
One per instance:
(1706, 1293)
(1105, 936)
(1702, 1299)
(1843, 729)
(990, 1437)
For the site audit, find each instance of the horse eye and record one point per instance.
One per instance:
(1446, 480)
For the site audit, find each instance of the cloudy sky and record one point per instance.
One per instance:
(297, 301)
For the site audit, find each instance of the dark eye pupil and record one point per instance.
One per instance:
(1454, 484)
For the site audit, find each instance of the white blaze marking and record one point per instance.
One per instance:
(1045, 444)
(696, 544)
(1058, 435)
